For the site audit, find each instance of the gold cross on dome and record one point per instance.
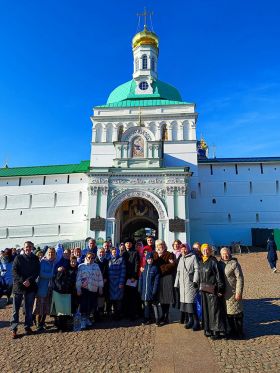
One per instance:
(144, 15)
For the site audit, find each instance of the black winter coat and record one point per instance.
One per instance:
(63, 282)
(166, 264)
(25, 267)
(271, 250)
(213, 307)
(103, 266)
(131, 258)
(149, 283)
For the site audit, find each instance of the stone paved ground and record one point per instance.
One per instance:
(130, 348)
(259, 352)
(112, 347)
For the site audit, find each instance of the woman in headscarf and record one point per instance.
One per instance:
(176, 249)
(44, 294)
(166, 263)
(234, 284)
(116, 275)
(212, 289)
(187, 279)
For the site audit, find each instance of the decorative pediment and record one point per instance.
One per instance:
(132, 132)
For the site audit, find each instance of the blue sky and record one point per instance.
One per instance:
(58, 59)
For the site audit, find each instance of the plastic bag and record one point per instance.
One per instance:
(198, 306)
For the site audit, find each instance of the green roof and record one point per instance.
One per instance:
(132, 103)
(161, 90)
(82, 167)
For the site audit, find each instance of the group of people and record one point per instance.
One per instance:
(130, 281)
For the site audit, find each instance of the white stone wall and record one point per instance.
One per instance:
(233, 198)
(43, 209)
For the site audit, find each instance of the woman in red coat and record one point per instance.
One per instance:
(166, 263)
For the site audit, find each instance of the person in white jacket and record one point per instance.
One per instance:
(89, 283)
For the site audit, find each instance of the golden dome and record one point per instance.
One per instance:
(145, 37)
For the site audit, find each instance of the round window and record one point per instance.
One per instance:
(143, 86)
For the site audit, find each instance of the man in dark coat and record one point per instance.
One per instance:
(272, 253)
(131, 295)
(90, 248)
(26, 269)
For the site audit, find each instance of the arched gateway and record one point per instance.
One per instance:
(134, 212)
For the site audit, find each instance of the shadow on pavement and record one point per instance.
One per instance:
(262, 317)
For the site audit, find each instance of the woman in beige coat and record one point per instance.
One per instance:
(234, 283)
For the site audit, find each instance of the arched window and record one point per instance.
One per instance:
(137, 64)
(144, 62)
(153, 64)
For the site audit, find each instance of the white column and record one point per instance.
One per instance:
(118, 151)
(110, 229)
(93, 134)
(156, 151)
(157, 131)
(115, 133)
(103, 207)
(104, 133)
(180, 134)
(192, 127)
(170, 210)
(92, 204)
(182, 195)
(169, 131)
(150, 150)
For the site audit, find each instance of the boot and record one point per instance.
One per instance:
(190, 322)
(196, 325)
(182, 317)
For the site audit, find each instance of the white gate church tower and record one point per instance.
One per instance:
(143, 155)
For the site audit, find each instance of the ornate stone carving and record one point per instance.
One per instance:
(160, 192)
(155, 201)
(136, 180)
(99, 180)
(175, 180)
(94, 190)
(182, 190)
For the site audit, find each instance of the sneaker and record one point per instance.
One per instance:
(274, 270)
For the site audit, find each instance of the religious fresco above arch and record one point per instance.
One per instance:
(137, 147)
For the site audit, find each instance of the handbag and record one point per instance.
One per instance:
(207, 288)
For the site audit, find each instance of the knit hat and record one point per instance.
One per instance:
(149, 256)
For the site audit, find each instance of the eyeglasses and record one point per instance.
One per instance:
(90, 258)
